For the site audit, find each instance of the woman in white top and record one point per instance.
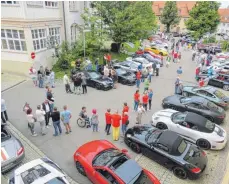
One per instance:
(31, 120)
(140, 111)
(33, 75)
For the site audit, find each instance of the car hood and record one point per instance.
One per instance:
(172, 99)
(104, 81)
(165, 113)
(8, 149)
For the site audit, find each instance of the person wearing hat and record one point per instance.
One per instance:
(40, 115)
(94, 120)
(125, 122)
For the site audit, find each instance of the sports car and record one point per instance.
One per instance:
(220, 80)
(145, 63)
(39, 171)
(219, 66)
(151, 57)
(157, 50)
(168, 149)
(208, 92)
(197, 105)
(192, 127)
(159, 43)
(125, 77)
(96, 80)
(222, 55)
(104, 163)
(12, 151)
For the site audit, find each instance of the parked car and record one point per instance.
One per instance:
(96, 80)
(193, 127)
(159, 43)
(104, 163)
(145, 63)
(210, 93)
(125, 77)
(222, 55)
(168, 149)
(157, 50)
(39, 171)
(153, 54)
(219, 66)
(220, 80)
(197, 105)
(12, 150)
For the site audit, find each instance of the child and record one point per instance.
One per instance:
(94, 121)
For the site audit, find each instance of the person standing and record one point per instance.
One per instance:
(136, 100)
(84, 84)
(31, 120)
(77, 83)
(177, 84)
(46, 107)
(145, 100)
(175, 57)
(106, 71)
(55, 115)
(50, 98)
(26, 107)
(125, 122)
(125, 108)
(138, 77)
(33, 75)
(52, 78)
(150, 96)
(67, 83)
(108, 118)
(168, 59)
(40, 114)
(146, 84)
(140, 111)
(40, 79)
(197, 72)
(157, 69)
(94, 121)
(179, 57)
(179, 71)
(4, 115)
(116, 118)
(150, 74)
(65, 118)
(180, 88)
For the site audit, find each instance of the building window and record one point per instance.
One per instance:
(52, 4)
(54, 34)
(34, 3)
(39, 39)
(9, 2)
(13, 40)
(73, 33)
(73, 6)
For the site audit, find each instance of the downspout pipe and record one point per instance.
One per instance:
(65, 32)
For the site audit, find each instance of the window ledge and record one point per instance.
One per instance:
(11, 5)
(14, 51)
(35, 6)
(74, 10)
(49, 7)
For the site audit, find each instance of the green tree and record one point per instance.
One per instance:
(204, 18)
(126, 21)
(170, 15)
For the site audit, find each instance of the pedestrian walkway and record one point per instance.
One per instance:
(31, 152)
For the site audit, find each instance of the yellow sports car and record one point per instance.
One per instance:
(157, 50)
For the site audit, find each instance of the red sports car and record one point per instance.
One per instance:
(103, 163)
(153, 54)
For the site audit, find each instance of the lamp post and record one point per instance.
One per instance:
(84, 41)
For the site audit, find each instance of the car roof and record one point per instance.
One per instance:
(170, 139)
(195, 119)
(28, 165)
(207, 88)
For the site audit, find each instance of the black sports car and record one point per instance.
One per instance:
(197, 105)
(125, 77)
(96, 80)
(168, 149)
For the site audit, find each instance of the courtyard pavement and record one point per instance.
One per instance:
(61, 148)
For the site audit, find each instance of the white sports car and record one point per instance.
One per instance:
(38, 171)
(192, 127)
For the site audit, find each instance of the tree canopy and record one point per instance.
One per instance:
(204, 18)
(126, 20)
(170, 15)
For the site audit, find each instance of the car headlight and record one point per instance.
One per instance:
(128, 135)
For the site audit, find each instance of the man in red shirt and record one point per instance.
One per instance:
(116, 118)
(136, 100)
(197, 72)
(201, 82)
(145, 100)
(125, 122)
(175, 57)
(125, 108)
(108, 121)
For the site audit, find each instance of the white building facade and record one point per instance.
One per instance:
(36, 26)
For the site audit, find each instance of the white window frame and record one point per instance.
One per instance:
(52, 4)
(55, 36)
(20, 39)
(40, 39)
(14, 3)
(74, 6)
(38, 4)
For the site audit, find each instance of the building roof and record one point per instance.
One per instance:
(183, 7)
(224, 15)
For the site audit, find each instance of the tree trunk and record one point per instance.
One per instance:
(167, 28)
(118, 47)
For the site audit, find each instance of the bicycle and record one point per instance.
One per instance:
(83, 122)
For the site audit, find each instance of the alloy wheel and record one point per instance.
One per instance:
(180, 172)
(161, 126)
(135, 147)
(204, 144)
(80, 169)
(226, 87)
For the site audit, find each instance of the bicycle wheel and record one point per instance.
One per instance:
(81, 123)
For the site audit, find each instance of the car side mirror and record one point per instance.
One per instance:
(124, 150)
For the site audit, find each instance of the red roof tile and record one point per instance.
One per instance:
(224, 15)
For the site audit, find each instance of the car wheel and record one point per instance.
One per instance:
(126, 140)
(123, 82)
(161, 53)
(226, 87)
(204, 144)
(97, 86)
(80, 168)
(185, 94)
(135, 147)
(161, 126)
(180, 172)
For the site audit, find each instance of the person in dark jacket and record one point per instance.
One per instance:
(77, 80)
(47, 108)
(55, 115)
(50, 98)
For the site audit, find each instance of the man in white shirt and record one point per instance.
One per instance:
(67, 83)
(40, 114)
(140, 111)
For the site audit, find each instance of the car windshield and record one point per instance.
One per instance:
(57, 180)
(152, 136)
(181, 148)
(106, 156)
(219, 94)
(121, 71)
(94, 75)
(178, 117)
(210, 126)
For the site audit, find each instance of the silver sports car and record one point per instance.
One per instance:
(12, 151)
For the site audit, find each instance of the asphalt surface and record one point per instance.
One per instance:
(61, 149)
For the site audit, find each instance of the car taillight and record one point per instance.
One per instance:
(196, 170)
(20, 151)
(223, 104)
(221, 117)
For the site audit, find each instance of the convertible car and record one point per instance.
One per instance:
(168, 149)
(38, 171)
(103, 163)
(210, 93)
(192, 127)
(96, 80)
(12, 151)
(197, 105)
